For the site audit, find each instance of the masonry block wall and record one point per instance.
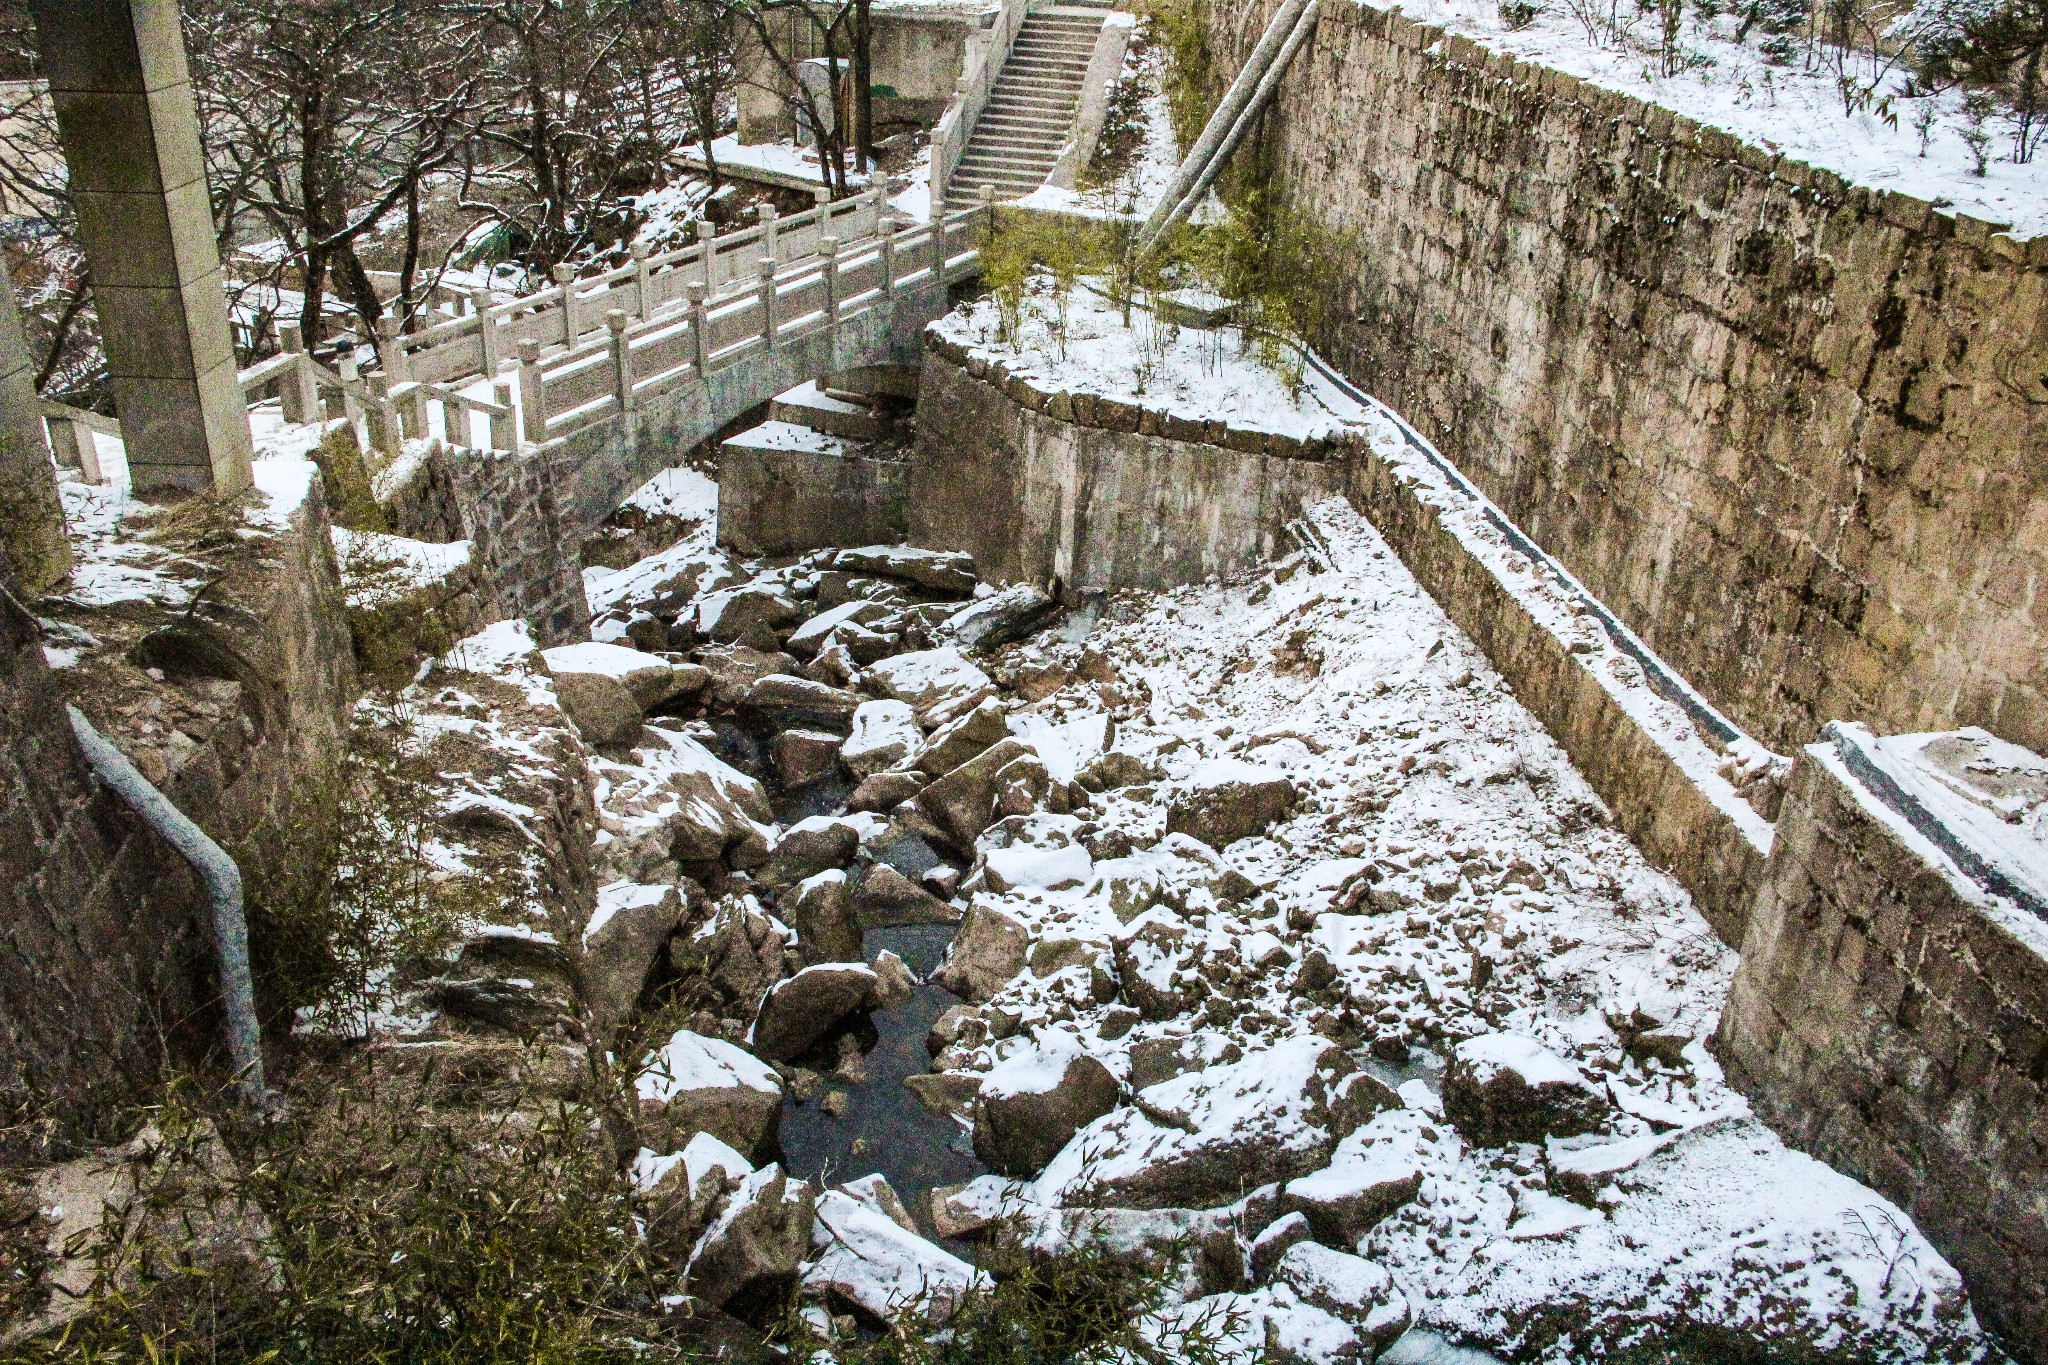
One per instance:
(235, 711)
(1888, 1024)
(1793, 432)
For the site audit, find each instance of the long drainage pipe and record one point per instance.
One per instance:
(1247, 116)
(1225, 118)
(223, 882)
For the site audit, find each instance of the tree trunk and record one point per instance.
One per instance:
(863, 87)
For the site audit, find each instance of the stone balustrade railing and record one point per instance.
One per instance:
(587, 350)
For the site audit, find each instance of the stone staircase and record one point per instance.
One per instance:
(1030, 113)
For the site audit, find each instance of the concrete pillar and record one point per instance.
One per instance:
(124, 108)
(31, 514)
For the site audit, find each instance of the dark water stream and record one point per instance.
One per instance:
(884, 1128)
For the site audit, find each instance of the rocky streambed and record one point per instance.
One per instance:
(1252, 930)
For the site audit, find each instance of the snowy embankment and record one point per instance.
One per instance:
(1793, 107)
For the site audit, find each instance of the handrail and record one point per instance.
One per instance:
(223, 882)
(581, 358)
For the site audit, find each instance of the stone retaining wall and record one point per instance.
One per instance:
(1885, 1022)
(1789, 429)
(106, 970)
(1097, 494)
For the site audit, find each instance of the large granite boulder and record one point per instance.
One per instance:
(798, 1012)
(1502, 1088)
(1031, 1104)
(693, 1084)
(1227, 799)
(747, 1261)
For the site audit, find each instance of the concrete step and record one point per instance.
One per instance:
(1020, 140)
(809, 406)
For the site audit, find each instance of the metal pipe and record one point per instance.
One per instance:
(1220, 123)
(1255, 106)
(223, 881)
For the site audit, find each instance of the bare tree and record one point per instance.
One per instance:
(330, 114)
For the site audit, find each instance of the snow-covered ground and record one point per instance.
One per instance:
(1522, 912)
(1795, 109)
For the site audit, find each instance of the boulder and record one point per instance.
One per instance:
(945, 1094)
(681, 1192)
(1227, 799)
(804, 758)
(887, 897)
(1502, 1088)
(987, 954)
(1010, 615)
(734, 669)
(810, 637)
(884, 735)
(1026, 866)
(930, 678)
(747, 1260)
(1169, 873)
(1005, 779)
(627, 935)
(694, 1084)
(649, 679)
(944, 571)
(808, 848)
(822, 913)
(1350, 1288)
(868, 1259)
(884, 792)
(975, 1205)
(798, 1012)
(1106, 772)
(1206, 1137)
(733, 614)
(524, 1007)
(1372, 1172)
(784, 701)
(603, 710)
(894, 985)
(962, 739)
(1283, 1233)
(676, 801)
(1032, 1103)
(738, 952)
(1153, 967)
(865, 646)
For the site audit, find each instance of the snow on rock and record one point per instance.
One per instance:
(1724, 1225)
(671, 799)
(694, 1084)
(1205, 1137)
(1031, 1105)
(1503, 1087)
(649, 678)
(872, 1262)
(930, 678)
(884, 735)
(1443, 874)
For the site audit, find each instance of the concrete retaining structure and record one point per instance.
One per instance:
(1093, 493)
(1891, 1018)
(235, 711)
(1786, 427)
(1096, 494)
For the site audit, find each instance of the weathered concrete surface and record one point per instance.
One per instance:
(31, 515)
(1787, 429)
(773, 502)
(105, 962)
(1094, 495)
(123, 100)
(1890, 1025)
